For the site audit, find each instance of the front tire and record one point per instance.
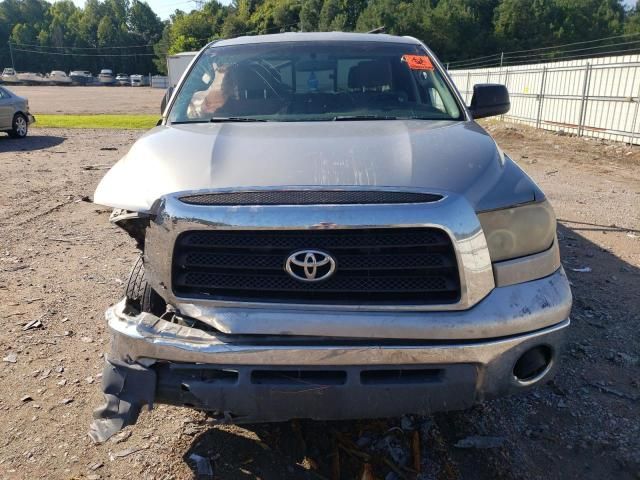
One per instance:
(20, 126)
(140, 294)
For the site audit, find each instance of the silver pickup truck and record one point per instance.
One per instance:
(327, 233)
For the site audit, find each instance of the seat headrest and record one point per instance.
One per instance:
(246, 78)
(370, 74)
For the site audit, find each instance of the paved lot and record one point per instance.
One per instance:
(62, 263)
(77, 100)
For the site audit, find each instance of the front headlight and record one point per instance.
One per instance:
(519, 231)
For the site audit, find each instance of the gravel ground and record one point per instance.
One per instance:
(78, 100)
(62, 264)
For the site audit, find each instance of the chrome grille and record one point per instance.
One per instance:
(374, 266)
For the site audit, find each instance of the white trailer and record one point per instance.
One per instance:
(177, 64)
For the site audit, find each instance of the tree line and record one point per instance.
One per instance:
(128, 36)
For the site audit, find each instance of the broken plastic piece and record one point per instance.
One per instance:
(418, 62)
(126, 389)
(582, 270)
(204, 469)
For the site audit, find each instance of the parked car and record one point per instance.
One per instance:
(14, 114)
(81, 77)
(58, 77)
(327, 233)
(123, 79)
(139, 81)
(9, 76)
(106, 77)
(31, 78)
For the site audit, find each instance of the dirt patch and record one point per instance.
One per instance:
(62, 264)
(98, 100)
(532, 144)
(507, 133)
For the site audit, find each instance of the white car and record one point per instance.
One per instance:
(139, 81)
(9, 75)
(106, 77)
(58, 77)
(123, 79)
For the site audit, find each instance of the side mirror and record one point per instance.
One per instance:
(489, 100)
(165, 99)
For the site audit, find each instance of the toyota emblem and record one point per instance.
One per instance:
(310, 265)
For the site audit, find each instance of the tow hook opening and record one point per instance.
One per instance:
(533, 365)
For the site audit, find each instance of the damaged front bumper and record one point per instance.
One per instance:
(259, 378)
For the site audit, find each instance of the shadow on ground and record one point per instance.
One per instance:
(583, 424)
(29, 143)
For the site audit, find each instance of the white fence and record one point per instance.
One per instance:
(596, 97)
(160, 81)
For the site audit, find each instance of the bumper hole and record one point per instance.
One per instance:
(533, 364)
(401, 377)
(298, 377)
(203, 374)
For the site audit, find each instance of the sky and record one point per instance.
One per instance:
(165, 7)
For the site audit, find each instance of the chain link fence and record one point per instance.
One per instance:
(597, 97)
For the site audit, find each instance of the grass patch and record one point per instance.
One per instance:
(96, 121)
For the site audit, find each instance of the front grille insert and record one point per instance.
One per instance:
(415, 266)
(308, 197)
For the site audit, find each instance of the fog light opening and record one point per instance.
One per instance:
(533, 365)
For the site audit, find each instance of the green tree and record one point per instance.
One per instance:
(331, 16)
(273, 16)
(352, 9)
(70, 37)
(310, 15)
(632, 23)
(398, 17)
(108, 32)
(143, 22)
(588, 19)
(235, 26)
(523, 24)
(451, 27)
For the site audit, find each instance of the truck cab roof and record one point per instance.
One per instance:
(316, 37)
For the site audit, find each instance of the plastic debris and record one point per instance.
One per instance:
(204, 469)
(33, 324)
(11, 358)
(582, 269)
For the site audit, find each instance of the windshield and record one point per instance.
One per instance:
(314, 81)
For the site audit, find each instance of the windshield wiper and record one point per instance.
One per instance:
(235, 119)
(349, 118)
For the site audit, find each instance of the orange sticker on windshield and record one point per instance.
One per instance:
(418, 62)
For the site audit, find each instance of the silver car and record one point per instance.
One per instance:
(14, 114)
(327, 233)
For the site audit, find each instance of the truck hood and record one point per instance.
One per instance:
(442, 156)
